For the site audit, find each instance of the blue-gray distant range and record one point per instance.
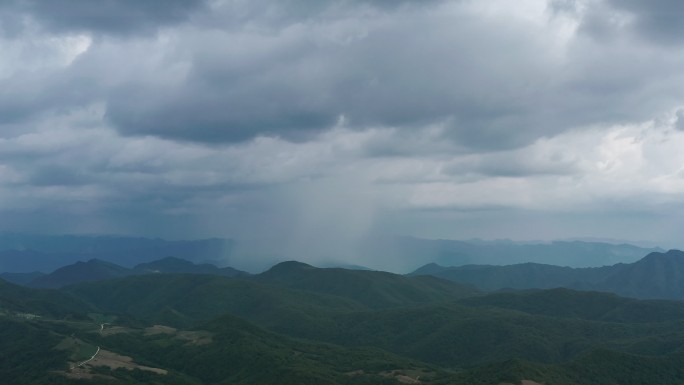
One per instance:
(26, 253)
(51, 261)
(30, 253)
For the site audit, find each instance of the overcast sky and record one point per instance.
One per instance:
(316, 121)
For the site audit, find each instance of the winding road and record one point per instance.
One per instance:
(96, 352)
(88, 360)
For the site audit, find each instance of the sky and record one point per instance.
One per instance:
(319, 122)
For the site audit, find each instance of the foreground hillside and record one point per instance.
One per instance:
(296, 324)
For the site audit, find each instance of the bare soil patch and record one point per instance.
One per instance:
(112, 330)
(196, 337)
(160, 329)
(116, 361)
(400, 376)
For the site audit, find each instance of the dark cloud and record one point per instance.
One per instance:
(660, 20)
(367, 63)
(416, 68)
(656, 21)
(249, 117)
(28, 95)
(121, 17)
(398, 66)
(217, 112)
(55, 176)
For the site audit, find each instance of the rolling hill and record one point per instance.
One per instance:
(375, 289)
(550, 326)
(41, 302)
(97, 270)
(297, 324)
(92, 270)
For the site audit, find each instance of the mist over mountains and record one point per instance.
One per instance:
(21, 253)
(27, 253)
(409, 250)
(656, 276)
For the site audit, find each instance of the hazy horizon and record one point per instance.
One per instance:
(392, 253)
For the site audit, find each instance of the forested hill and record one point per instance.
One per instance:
(297, 324)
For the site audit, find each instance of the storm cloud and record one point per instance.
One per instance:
(316, 123)
(119, 17)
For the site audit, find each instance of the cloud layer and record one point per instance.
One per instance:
(316, 123)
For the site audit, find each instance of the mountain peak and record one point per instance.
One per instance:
(430, 268)
(290, 266)
(97, 262)
(669, 256)
(92, 270)
(166, 264)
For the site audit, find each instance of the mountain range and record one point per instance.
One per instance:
(405, 253)
(97, 270)
(175, 321)
(23, 253)
(298, 324)
(658, 275)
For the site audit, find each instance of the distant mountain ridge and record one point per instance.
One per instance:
(98, 270)
(92, 270)
(21, 278)
(411, 252)
(656, 276)
(20, 253)
(170, 265)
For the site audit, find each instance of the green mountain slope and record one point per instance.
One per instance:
(183, 299)
(42, 302)
(92, 270)
(289, 295)
(297, 331)
(241, 353)
(546, 326)
(374, 289)
(598, 367)
(597, 306)
(26, 352)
